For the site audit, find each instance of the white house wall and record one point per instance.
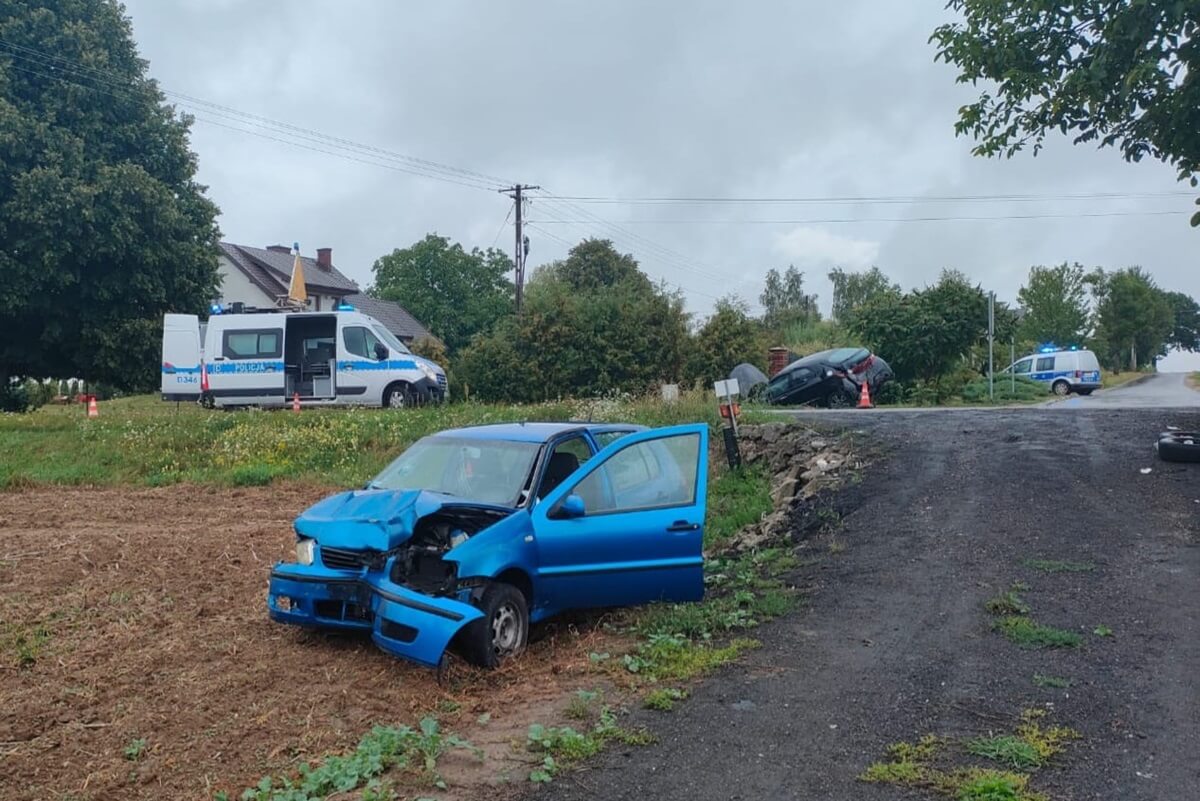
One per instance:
(236, 287)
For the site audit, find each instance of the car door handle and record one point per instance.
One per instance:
(683, 525)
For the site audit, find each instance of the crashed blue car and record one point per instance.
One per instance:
(472, 534)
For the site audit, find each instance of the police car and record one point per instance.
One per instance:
(1066, 371)
(271, 358)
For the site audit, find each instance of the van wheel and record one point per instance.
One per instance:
(1061, 389)
(397, 396)
(502, 632)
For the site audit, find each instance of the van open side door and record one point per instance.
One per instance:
(181, 357)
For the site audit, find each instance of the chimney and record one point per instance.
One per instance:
(279, 249)
(325, 258)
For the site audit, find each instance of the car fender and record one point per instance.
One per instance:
(505, 545)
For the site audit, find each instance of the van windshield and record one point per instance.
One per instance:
(390, 339)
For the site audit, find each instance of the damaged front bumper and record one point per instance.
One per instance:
(402, 622)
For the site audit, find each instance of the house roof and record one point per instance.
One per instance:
(394, 316)
(272, 271)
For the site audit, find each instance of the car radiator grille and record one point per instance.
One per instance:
(343, 559)
(441, 380)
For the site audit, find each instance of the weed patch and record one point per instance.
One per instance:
(1059, 566)
(1007, 749)
(561, 746)
(1056, 682)
(669, 658)
(663, 699)
(1029, 634)
(382, 748)
(1008, 603)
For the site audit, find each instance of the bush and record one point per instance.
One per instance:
(15, 398)
(1025, 389)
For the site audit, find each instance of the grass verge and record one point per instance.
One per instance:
(1030, 634)
(1060, 566)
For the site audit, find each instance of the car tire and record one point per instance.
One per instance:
(1180, 435)
(398, 395)
(1061, 388)
(840, 399)
(503, 631)
(1178, 449)
(1085, 391)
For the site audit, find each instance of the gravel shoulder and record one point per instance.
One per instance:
(896, 643)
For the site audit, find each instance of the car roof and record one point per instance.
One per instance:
(533, 431)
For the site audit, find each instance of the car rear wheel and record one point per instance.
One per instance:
(398, 395)
(840, 399)
(502, 632)
(1061, 388)
(1177, 448)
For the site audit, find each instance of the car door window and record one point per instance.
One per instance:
(1044, 364)
(564, 460)
(254, 344)
(651, 474)
(360, 341)
(606, 438)
(800, 376)
(1022, 367)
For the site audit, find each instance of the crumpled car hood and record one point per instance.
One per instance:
(373, 519)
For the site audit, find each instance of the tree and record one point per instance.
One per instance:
(1134, 318)
(784, 300)
(1108, 71)
(1055, 304)
(456, 293)
(589, 326)
(926, 334)
(102, 224)
(853, 290)
(728, 337)
(1186, 332)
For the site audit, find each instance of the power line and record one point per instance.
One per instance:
(871, 199)
(833, 220)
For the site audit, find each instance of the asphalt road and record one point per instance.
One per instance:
(1160, 390)
(895, 641)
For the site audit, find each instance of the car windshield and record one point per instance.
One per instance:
(486, 471)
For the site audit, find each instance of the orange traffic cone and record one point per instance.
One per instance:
(93, 409)
(296, 402)
(864, 397)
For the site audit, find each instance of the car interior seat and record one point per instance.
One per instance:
(562, 464)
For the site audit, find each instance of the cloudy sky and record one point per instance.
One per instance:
(626, 99)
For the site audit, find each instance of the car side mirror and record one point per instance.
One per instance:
(381, 351)
(569, 508)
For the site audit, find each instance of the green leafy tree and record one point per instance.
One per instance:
(784, 300)
(1186, 332)
(1134, 318)
(728, 337)
(589, 326)
(1113, 72)
(103, 227)
(1055, 300)
(853, 290)
(455, 292)
(929, 334)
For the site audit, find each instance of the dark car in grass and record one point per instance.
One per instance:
(831, 378)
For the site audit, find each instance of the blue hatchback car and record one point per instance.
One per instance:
(472, 534)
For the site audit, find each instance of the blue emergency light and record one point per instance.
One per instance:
(215, 308)
(344, 307)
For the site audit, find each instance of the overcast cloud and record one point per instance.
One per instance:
(626, 99)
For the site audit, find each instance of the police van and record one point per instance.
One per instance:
(1066, 371)
(271, 357)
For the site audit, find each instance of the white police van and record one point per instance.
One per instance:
(1066, 371)
(269, 357)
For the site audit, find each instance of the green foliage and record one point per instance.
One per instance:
(1007, 749)
(1057, 682)
(1134, 318)
(926, 334)
(852, 291)
(667, 657)
(563, 745)
(591, 325)
(737, 498)
(1102, 631)
(664, 698)
(456, 293)
(1056, 305)
(24, 642)
(728, 337)
(1006, 389)
(133, 752)
(104, 227)
(992, 786)
(1029, 634)
(784, 300)
(382, 748)
(1007, 603)
(432, 349)
(580, 707)
(1105, 72)
(1185, 335)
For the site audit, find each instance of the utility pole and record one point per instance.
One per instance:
(991, 346)
(521, 242)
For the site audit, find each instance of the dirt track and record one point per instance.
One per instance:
(143, 614)
(896, 642)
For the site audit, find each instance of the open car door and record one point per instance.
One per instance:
(628, 526)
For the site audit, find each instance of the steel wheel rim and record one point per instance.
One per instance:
(1061, 390)
(506, 629)
(397, 398)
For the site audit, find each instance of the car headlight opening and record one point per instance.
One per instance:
(305, 550)
(429, 372)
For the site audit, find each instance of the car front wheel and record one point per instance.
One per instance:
(502, 632)
(397, 396)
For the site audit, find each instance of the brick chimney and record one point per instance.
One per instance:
(325, 258)
(279, 249)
